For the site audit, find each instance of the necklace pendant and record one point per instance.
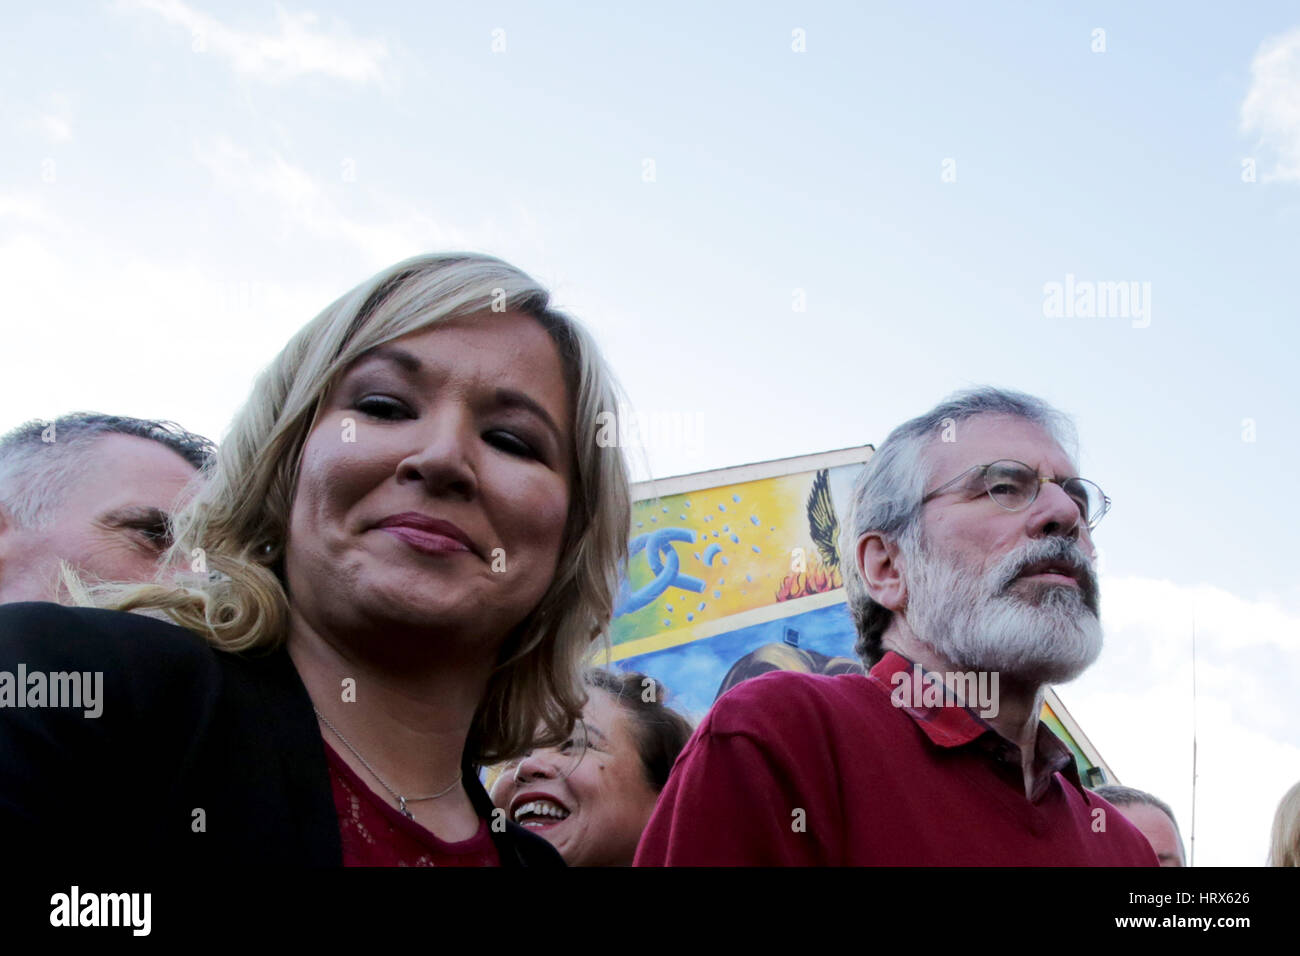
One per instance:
(402, 806)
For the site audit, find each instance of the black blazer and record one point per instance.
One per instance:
(184, 727)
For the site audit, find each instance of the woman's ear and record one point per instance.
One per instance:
(881, 564)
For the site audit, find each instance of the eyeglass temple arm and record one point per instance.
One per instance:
(942, 488)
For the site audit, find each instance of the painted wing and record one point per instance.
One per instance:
(823, 523)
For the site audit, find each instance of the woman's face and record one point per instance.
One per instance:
(434, 489)
(595, 815)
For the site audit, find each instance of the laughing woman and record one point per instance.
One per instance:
(406, 548)
(592, 796)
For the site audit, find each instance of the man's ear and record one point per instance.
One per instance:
(881, 565)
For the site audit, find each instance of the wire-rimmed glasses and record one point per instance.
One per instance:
(1013, 485)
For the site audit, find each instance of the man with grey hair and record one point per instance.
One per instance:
(968, 562)
(93, 490)
(1152, 816)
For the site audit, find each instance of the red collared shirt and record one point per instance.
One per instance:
(805, 770)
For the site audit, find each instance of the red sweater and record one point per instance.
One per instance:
(804, 770)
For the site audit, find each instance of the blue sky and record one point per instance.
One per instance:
(182, 185)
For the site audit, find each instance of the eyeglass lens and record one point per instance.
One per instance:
(1014, 485)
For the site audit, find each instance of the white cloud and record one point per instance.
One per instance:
(25, 208)
(56, 128)
(97, 323)
(100, 326)
(55, 119)
(1136, 707)
(297, 48)
(297, 201)
(48, 117)
(1272, 105)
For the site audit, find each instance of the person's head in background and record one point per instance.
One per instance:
(592, 803)
(1153, 817)
(785, 657)
(1284, 844)
(93, 490)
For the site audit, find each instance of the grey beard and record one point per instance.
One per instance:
(979, 624)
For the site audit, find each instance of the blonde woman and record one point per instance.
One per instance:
(1284, 845)
(408, 544)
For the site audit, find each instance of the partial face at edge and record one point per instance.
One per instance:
(111, 524)
(1158, 830)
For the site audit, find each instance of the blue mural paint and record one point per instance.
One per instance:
(664, 562)
(692, 672)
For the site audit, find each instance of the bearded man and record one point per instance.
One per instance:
(969, 559)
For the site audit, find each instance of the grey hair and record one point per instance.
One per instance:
(887, 495)
(1129, 796)
(40, 460)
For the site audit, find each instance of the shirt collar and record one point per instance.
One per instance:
(949, 724)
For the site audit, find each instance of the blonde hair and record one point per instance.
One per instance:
(236, 526)
(1284, 846)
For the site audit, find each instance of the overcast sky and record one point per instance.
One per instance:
(791, 227)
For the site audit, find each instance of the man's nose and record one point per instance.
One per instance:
(1055, 513)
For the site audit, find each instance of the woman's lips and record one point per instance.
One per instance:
(426, 542)
(537, 823)
(428, 534)
(538, 811)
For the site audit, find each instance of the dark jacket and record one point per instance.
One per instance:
(184, 728)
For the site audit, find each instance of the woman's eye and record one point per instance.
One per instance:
(383, 408)
(511, 444)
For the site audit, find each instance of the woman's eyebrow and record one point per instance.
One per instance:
(509, 398)
(596, 731)
(393, 355)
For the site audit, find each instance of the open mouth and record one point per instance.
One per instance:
(539, 813)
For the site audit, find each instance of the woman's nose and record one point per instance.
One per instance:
(537, 764)
(441, 458)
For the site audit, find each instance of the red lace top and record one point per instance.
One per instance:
(375, 833)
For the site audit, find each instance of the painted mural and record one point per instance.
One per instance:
(701, 557)
(733, 580)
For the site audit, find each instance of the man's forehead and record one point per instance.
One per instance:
(121, 471)
(135, 456)
(987, 438)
